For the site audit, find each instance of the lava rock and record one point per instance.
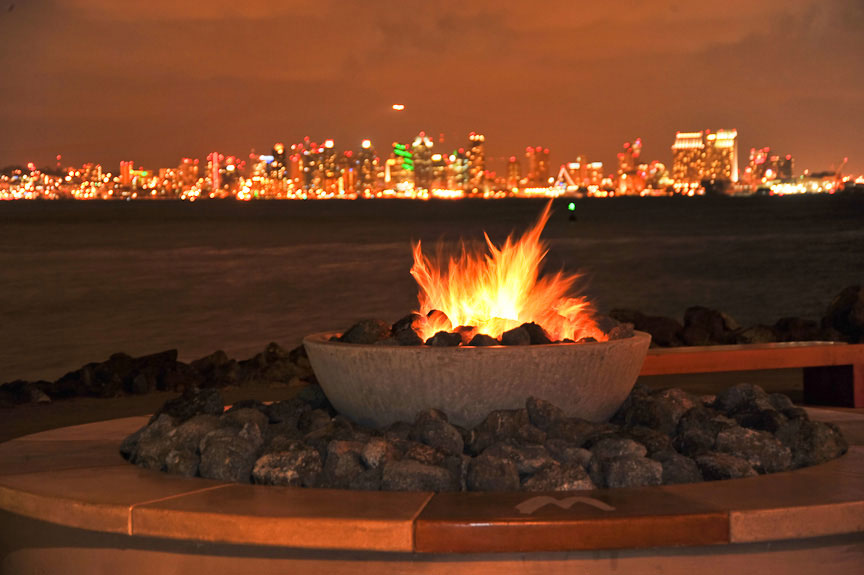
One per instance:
(845, 314)
(194, 401)
(182, 462)
(217, 370)
(516, 336)
(444, 339)
(343, 463)
(542, 413)
(367, 331)
(536, 334)
(796, 329)
(287, 411)
(742, 397)
(438, 318)
(609, 447)
(697, 430)
(149, 445)
(422, 453)
(764, 452)
(491, 473)
(298, 465)
(313, 420)
(314, 396)
(577, 431)
(229, 455)
(559, 478)
(567, 454)
(762, 420)
(632, 471)
(247, 415)
(756, 334)
(708, 321)
(483, 340)
(377, 452)
(715, 466)
(654, 412)
(436, 432)
(653, 440)
(812, 442)
(677, 468)
(411, 475)
(527, 458)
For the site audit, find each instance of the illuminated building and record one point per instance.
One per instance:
(538, 166)
(440, 170)
(763, 166)
(688, 157)
(630, 179)
(188, 171)
(458, 173)
(278, 165)
(126, 174)
(476, 163)
(721, 156)
(367, 166)
(421, 151)
(399, 169)
(514, 173)
(213, 171)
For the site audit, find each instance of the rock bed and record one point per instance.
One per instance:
(656, 437)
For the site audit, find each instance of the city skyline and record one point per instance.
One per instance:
(156, 81)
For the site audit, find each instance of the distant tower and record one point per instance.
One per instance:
(538, 166)
(213, 170)
(367, 165)
(476, 162)
(688, 157)
(125, 174)
(421, 150)
(721, 158)
(514, 172)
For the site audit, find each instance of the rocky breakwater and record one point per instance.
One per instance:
(122, 374)
(656, 438)
(843, 321)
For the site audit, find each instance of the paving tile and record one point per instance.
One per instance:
(19, 456)
(292, 517)
(97, 498)
(822, 500)
(111, 429)
(613, 519)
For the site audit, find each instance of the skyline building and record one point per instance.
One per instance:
(476, 162)
(538, 166)
(514, 172)
(421, 150)
(705, 155)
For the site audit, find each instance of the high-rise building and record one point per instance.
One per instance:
(538, 166)
(367, 166)
(630, 180)
(721, 158)
(126, 173)
(688, 157)
(188, 171)
(421, 150)
(514, 173)
(476, 162)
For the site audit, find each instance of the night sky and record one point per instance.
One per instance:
(155, 80)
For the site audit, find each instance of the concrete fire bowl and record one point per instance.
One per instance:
(377, 385)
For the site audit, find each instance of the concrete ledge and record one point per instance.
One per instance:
(71, 477)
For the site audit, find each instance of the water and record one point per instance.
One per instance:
(82, 280)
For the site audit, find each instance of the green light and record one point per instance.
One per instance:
(403, 153)
(571, 206)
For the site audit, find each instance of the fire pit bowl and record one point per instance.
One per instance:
(377, 385)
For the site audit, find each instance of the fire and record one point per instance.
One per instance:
(501, 290)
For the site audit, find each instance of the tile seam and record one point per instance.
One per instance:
(168, 498)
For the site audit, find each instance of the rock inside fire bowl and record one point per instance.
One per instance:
(377, 385)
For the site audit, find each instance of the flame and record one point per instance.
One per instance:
(501, 290)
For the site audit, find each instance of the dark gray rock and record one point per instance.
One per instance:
(516, 336)
(343, 464)
(149, 446)
(421, 452)
(411, 475)
(764, 452)
(536, 334)
(439, 434)
(845, 314)
(653, 440)
(377, 452)
(527, 458)
(568, 454)
(796, 329)
(609, 447)
(445, 339)
(559, 478)
(287, 411)
(742, 397)
(632, 471)
(313, 420)
(246, 416)
(367, 331)
(182, 462)
(756, 334)
(542, 414)
(483, 340)
(297, 465)
(578, 431)
(780, 401)
(812, 442)
(677, 468)
(653, 411)
(697, 430)
(398, 430)
(315, 397)
(761, 420)
(490, 473)
(708, 321)
(188, 435)
(194, 401)
(715, 466)
(229, 455)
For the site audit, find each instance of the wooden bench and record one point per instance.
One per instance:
(833, 372)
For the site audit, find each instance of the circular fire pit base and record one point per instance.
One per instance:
(71, 504)
(376, 385)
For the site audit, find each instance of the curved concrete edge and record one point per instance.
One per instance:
(70, 477)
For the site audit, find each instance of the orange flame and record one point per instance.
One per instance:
(501, 290)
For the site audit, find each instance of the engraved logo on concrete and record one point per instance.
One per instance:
(529, 506)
